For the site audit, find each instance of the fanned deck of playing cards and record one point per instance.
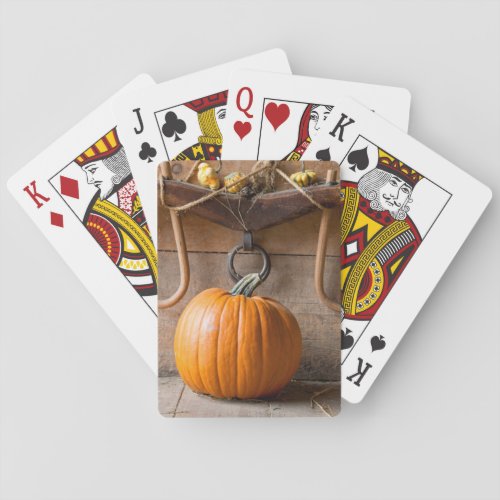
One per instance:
(81, 193)
(401, 214)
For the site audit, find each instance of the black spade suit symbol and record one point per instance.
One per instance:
(346, 340)
(147, 152)
(358, 159)
(377, 343)
(323, 154)
(173, 126)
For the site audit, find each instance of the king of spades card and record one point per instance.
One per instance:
(388, 209)
(378, 236)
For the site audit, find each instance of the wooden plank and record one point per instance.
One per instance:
(170, 390)
(180, 169)
(256, 213)
(298, 399)
(308, 399)
(328, 400)
(199, 405)
(296, 237)
(291, 282)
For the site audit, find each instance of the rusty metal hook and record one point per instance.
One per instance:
(165, 173)
(321, 253)
(248, 245)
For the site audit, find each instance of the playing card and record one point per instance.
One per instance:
(81, 193)
(275, 117)
(231, 346)
(406, 213)
(181, 119)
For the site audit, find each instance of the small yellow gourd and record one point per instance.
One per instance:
(207, 176)
(304, 179)
(231, 179)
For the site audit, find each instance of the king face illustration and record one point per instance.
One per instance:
(310, 123)
(378, 236)
(211, 110)
(114, 216)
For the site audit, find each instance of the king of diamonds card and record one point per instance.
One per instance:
(99, 189)
(82, 195)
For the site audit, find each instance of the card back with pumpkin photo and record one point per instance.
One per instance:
(249, 289)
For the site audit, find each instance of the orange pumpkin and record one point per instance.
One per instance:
(233, 345)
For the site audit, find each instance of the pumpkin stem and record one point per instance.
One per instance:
(246, 285)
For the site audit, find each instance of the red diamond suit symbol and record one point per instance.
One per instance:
(56, 219)
(69, 187)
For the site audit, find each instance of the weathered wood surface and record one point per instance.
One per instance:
(297, 237)
(298, 399)
(291, 282)
(267, 210)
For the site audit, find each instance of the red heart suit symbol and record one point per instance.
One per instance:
(277, 115)
(242, 128)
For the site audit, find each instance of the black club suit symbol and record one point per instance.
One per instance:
(147, 152)
(173, 126)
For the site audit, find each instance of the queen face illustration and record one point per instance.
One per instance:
(319, 114)
(220, 115)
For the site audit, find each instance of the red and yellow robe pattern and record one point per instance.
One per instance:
(375, 249)
(120, 228)
(303, 139)
(209, 145)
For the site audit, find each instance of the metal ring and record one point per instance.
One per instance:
(266, 268)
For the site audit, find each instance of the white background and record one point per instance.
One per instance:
(78, 406)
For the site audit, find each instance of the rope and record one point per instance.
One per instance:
(267, 165)
(301, 190)
(192, 171)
